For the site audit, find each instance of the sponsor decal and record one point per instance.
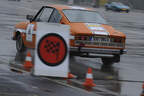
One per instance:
(97, 29)
(29, 32)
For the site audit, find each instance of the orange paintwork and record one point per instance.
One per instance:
(79, 29)
(23, 25)
(75, 29)
(113, 32)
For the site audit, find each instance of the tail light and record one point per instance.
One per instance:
(117, 40)
(82, 45)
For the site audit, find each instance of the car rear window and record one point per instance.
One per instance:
(76, 15)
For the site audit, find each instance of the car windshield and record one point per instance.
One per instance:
(118, 3)
(121, 4)
(75, 15)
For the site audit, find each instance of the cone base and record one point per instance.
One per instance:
(28, 65)
(70, 76)
(89, 84)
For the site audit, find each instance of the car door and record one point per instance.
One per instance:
(108, 5)
(113, 5)
(46, 14)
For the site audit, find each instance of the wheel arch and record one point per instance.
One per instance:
(17, 34)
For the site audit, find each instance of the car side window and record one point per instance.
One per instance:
(113, 4)
(44, 15)
(55, 17)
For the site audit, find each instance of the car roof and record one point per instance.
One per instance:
(117, 3)
(62, 7)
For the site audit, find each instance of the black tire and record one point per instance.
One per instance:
(19, 44)
(107, 61)
(106, 8)
(115, 9)
(127, 11)
(110, 61)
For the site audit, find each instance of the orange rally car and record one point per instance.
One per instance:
(91, 36)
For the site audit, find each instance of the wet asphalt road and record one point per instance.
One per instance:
(124, 78)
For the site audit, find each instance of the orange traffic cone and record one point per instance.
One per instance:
(89, 79)
(70, 75)
(142, 90)
(28, 61)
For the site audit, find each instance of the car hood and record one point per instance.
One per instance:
(94, 29)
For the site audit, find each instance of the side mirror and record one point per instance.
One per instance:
(29, 17)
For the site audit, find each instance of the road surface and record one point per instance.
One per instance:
(122, 79)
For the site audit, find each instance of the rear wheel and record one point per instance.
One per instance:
(127, 11)
(106, 9)
(19, 44)
(110, 61)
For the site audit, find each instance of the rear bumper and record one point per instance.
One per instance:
(97, 51)
(123, 10)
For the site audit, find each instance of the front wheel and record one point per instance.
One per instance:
(19, 44)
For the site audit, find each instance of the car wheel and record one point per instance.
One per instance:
(107, 61)
(115, 9)
(110, 61)
(19, 44)
(106, 9)
(127, 11)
